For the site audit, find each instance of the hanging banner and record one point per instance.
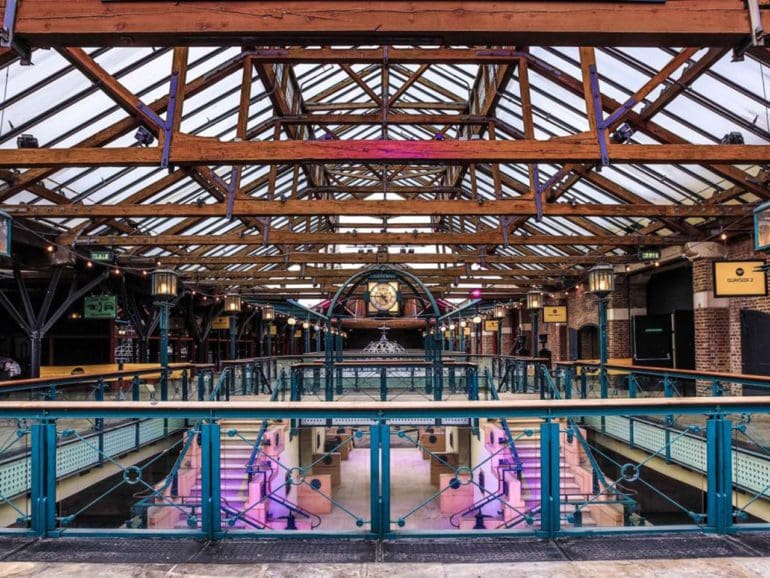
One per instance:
(222, 322)
(555, 314)
(762, 227)
(100, 307)
(739, 279)
(5, 235)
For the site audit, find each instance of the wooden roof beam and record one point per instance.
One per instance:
(170, 23)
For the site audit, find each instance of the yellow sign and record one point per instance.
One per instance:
(222, 322)
(273, 330)
(491, 325)
(466, 330)
(739, 278)
(298, 333)
(555, 314)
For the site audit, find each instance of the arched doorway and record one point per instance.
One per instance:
(588, 341)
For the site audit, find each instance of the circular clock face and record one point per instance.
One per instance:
(383, 296)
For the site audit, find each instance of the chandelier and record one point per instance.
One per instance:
(383, 345)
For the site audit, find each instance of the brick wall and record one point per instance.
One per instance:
(718, 329)
(583, 309)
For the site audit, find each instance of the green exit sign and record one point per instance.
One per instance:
(101, 255)
(100, 307)
(649, 254)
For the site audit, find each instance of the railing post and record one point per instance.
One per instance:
(539, 381)
(316, 380)
(668, 391)
(185, 382)
(244, 378)
(99, 421)
(164, 384)
(583, 383)
(201, 385)
(43, 489)
(135, 383)
(338, 378)
(295, 393)
(473, 386)
(375, 509)
(719, 512)
(568, 383)
(632, 390)
(550, 513)
(525, 374)
(716, 388)
(383, 384)
(384, 478)
(211, 516)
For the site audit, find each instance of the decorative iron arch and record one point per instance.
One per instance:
(357, 278)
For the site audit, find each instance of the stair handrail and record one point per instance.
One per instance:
(509, 437)
(220, 383)
(260, 437)
(292, 507)
(227, 509)
(169, 479)
(576, 431)
(501, 491)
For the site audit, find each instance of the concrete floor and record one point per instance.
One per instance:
(697, 568)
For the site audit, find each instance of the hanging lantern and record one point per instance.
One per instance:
(463, 324)
(233, 303)
(601, 280)
(451, 326)
(5, 234)
(164, 284)
(499, 311)
(268, 313)
(305, 325)
(291, 321)
(477, 320)
(534, 300)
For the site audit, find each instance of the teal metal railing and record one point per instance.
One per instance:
(722, 512)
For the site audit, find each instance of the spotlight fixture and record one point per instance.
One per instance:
(144, 137)
(622, 134)
(733, 138)
(27, 141)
